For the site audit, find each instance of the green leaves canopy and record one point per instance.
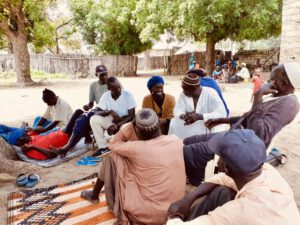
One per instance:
(218, 19)
(109, 26)
(30, 15)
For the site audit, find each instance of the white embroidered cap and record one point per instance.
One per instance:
(292, 69)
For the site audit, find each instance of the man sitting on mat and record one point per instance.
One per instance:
(143, 173)
(47, 146)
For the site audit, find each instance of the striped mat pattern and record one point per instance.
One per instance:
(59, 204)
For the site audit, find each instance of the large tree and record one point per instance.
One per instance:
(23, 22)
(109, 26)
(209, 20)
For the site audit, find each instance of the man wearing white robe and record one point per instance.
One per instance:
(194, 107)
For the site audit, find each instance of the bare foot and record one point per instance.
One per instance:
(88, 195)
(24, 124)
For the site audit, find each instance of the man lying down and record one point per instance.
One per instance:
(45, 147)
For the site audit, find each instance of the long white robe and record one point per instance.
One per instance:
(209, 105)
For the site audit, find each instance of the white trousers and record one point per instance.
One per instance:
(99, 125)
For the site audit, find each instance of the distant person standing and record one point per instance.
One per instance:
(192, 61)
(218, 60)
(257, 83)
(97, 88)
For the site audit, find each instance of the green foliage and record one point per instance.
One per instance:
(81, 11)
(31, 13)
(110, 26)
(216, 19)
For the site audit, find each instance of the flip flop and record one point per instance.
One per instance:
(33, 179)
(86, 163)
(22, 180)
(91, 158)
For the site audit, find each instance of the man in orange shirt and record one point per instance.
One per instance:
(162, 103)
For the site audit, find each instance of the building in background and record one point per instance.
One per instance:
(290, 35)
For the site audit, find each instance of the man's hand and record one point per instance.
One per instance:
(180, 209)
(192, 117)
(38, 129)
(183, 116)
(102, 113)
(112, 129)
(115, 115)
(87, 107)
(267, 89)
(213, 122)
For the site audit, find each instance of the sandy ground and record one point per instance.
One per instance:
(24, 104)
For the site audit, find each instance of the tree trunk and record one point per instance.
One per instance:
(210, 55)
(22, 60)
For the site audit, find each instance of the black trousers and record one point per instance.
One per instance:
(218, 197)
(196, 155)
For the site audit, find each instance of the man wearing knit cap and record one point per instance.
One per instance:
(209, 82)
(162, 103)
(266, 118)
(247, 191)
(143, 173)
(194, 107)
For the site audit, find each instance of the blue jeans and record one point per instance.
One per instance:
(78, 126)
(11, 134)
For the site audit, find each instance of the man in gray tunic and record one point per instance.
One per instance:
(97, 88)
(266, 118)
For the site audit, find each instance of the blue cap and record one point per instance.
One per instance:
(154, 81)
(241, 149)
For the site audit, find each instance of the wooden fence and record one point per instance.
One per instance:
(83, 65)
(127, 65)
(154, 63)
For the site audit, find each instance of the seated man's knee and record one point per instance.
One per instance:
(78, 112)
(95, 120)
(223, 193)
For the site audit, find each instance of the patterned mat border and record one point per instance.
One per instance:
(39, 190)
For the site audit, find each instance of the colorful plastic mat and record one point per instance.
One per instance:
(59, 204)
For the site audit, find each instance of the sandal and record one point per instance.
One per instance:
(22, 180)
(86, 163)
(33, 179)
(90, 158)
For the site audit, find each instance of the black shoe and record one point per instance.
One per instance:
(88, 140)
(100, 152)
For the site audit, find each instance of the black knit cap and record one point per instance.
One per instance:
(199, 72)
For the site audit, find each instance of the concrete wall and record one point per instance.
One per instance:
(290, 37)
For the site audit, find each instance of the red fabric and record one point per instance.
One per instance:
(258, 83)
(55, 139)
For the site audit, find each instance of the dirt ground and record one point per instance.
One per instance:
(23, 104)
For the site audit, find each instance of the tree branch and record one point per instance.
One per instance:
(5, 28)
(64, 24)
